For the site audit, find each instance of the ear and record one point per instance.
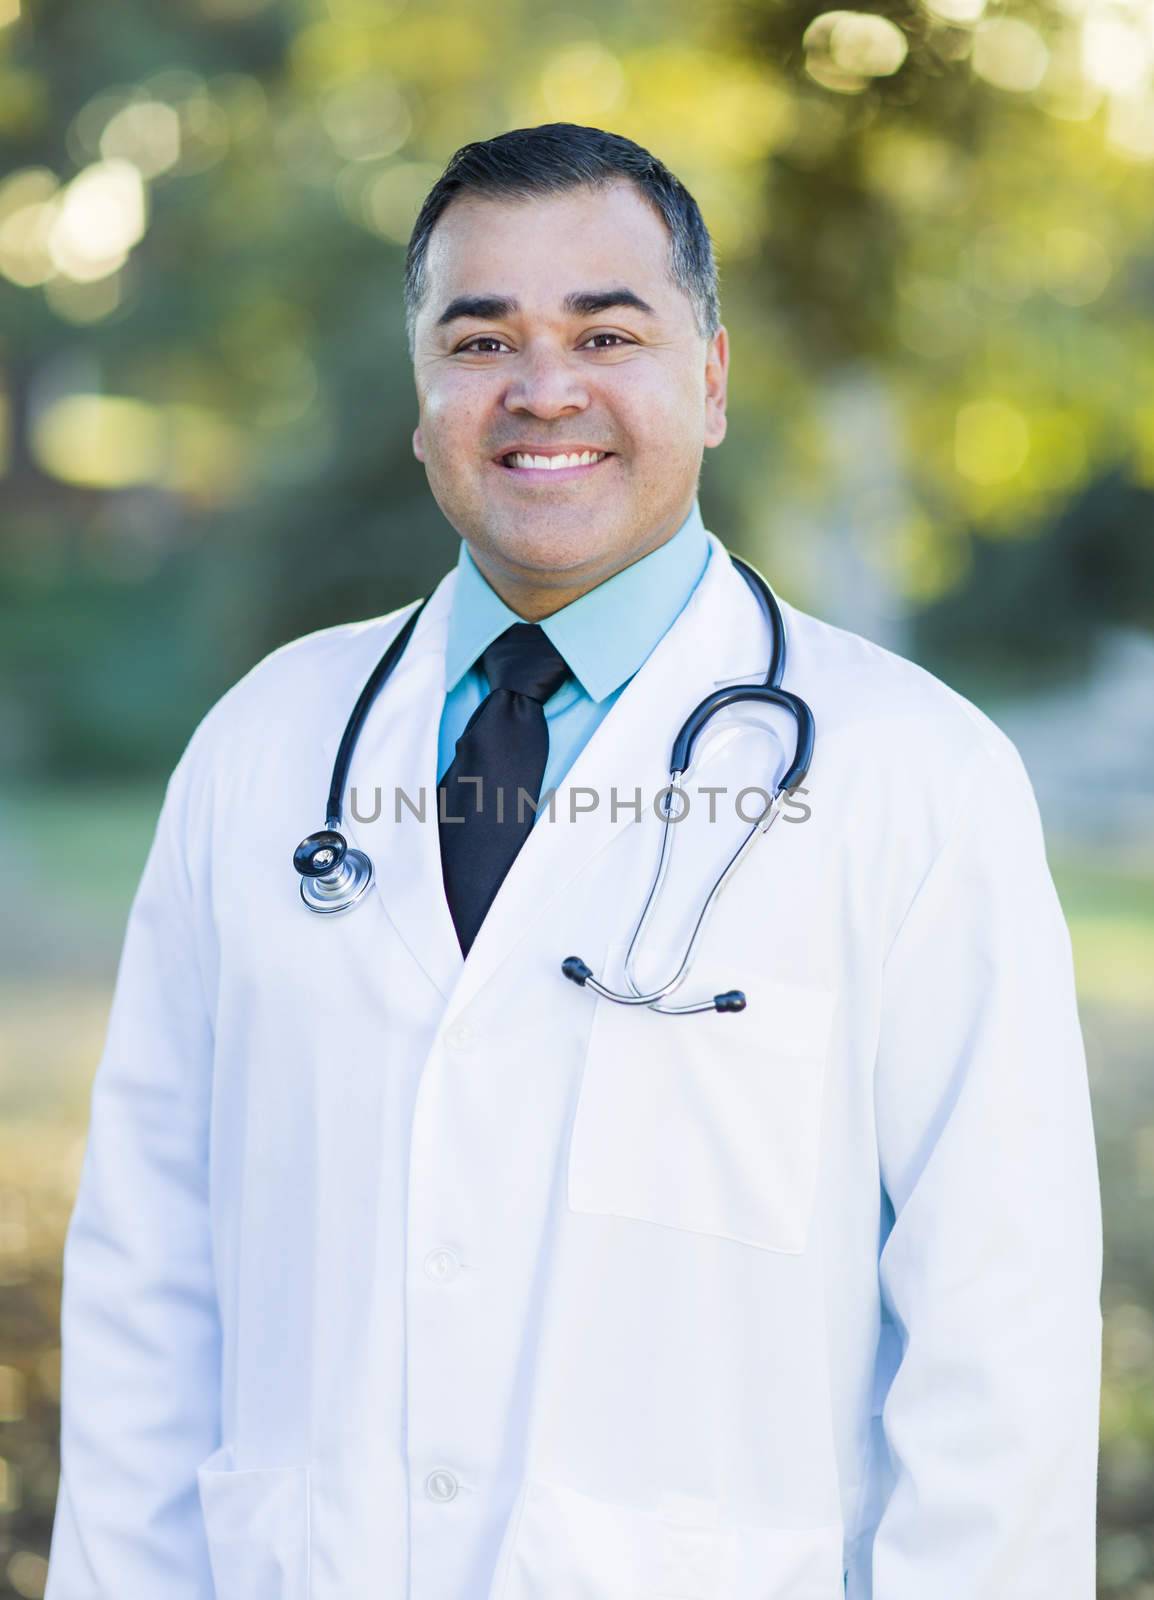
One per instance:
(418, 447)
(716, 380)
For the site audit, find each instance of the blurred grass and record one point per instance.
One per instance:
(82, 852)
(1109, 906)
(90, 840)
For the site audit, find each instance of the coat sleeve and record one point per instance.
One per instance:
(139, 1325)
(991, 1270)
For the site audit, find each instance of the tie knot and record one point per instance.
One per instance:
(524, 660)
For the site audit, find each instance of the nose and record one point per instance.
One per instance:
(547, 382)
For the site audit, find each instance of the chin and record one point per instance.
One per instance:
(545, 549)
(560, 555)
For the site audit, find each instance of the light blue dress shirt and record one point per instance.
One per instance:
(605, 635)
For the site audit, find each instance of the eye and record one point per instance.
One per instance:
(480, 338)
(472, 346)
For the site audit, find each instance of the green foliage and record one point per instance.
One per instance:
(208, 426)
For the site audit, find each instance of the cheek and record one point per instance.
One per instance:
(660, 407)
(452, 417)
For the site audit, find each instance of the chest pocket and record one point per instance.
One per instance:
(707, 1123)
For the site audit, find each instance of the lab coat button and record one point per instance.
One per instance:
(460, 1037)
(441, 1485)
(442, 1265)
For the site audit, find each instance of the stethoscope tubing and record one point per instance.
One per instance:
(376, 682)
(761, 826)
(731, 1000)
(335, 878)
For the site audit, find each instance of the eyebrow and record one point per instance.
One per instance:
(580, 303)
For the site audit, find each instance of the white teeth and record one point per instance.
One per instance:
(555, 463)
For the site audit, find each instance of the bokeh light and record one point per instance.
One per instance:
(844, 49)
(1010, 53)
(99, 217)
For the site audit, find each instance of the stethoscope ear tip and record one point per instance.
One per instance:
(576, 970)
(731, 1000)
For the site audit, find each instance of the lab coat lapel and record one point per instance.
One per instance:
(394, 774)
(718, 638)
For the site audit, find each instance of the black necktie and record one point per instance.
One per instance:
(495, 777)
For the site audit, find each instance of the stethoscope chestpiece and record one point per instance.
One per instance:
(333, 877)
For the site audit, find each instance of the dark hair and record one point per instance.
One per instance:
(550, 159)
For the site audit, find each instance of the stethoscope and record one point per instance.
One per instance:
(335, 878)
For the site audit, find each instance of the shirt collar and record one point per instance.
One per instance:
(605, 634)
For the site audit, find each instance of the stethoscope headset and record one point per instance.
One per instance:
(335, 878)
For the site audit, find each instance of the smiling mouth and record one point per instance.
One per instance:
(523, 461)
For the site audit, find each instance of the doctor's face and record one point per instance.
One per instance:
(550, 326)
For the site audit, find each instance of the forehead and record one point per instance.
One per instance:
(538, 248)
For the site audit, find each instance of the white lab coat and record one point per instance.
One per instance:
(396, 1275)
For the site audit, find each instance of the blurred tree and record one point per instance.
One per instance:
(209, 399)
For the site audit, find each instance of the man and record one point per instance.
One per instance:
(402, 1266)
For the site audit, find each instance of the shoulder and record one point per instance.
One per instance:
(293, 687)
(916, 773)
(881, 702)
